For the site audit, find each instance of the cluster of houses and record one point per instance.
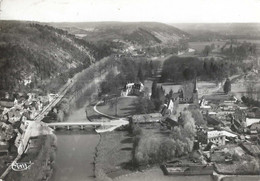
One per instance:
(15, 111)
(229, 121)
(232, 122)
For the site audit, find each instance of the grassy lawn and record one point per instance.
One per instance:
(115, 150)
(114, 153)
(257, 42)
(94, 116)
(199, 46)
(125, 107)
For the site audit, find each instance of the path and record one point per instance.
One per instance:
(103, 114)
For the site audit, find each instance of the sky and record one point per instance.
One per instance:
(167, 11)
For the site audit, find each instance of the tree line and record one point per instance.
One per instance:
(178, 69)
(129, 71)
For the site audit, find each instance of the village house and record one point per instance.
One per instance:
(254, 128)
(254, 112)
(250, 121)
(3, 146)
(37, 105)
(171, 122)
(204, 104)
(213, 120)
(171, 105)
(132, 89)
(228, 107)
(216, 137)
(242, 106)
(30, 113)
(14, 115)
(23, 126)
(231, 99)
(8, 103)
(31, 96)
(44, 100)
(220, 138)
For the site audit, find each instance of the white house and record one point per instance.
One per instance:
(132, 89)
(216, 137)
(250, 121)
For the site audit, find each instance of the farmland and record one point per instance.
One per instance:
(199, 46)
(257, 42)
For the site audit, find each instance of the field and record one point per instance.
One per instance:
(125, 107)
(199, 46)
(239, 87)
(257, 42)
(114, 153)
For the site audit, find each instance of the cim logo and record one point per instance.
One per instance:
(21, 166)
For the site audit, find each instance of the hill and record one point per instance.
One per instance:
(209, 31)
(34, 55)
(135, 33)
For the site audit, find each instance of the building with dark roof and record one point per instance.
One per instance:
(8, 103)
(188, 94)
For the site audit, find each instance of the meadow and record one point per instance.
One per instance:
(199, 46)
(257, 42)
(125, 107)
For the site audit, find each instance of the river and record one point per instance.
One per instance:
(75, 152)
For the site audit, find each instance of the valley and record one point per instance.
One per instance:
(186, 99)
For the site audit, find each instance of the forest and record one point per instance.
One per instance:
(178, 69)
(43, 54)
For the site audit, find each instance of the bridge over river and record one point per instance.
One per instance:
(102, 126)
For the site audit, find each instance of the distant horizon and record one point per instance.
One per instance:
(164, 11)
(130, 22)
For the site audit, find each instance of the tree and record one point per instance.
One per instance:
(188, 74)
(113, 103)
(159, 98)
(198, 117)
(154, 89)
(144, 106)
(206, 50)
(140, 74)
(6, 131)
(227, 86)
(170, 94)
